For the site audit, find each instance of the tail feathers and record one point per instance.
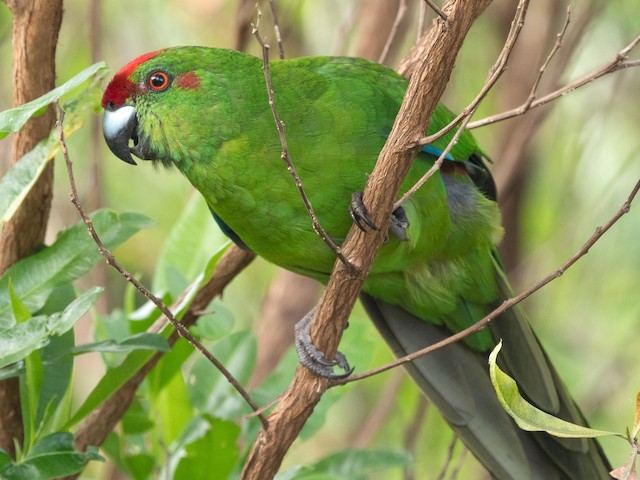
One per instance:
(456, 380)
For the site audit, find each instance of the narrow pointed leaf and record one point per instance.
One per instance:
(14, 119)
(527, 416)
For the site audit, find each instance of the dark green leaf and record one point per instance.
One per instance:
(189, 243)
(216, 451)
(20, 340)
(71, 256)
(51, 457)
(211, 392)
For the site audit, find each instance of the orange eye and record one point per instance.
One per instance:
(158, 81)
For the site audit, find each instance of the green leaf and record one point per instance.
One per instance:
(211, 391)
(19, 309)
(362, 461)
(14, 119)
(215, 451)
(110, 382)
(172, 408)
(71, 256)
(190, 241)
(140, 465)
(60, 323)
(349, 464)
(139, 341)
(527, 416)
(18, 180)
(19, 341)
(136, 419)
(52, 457)
(118, 376)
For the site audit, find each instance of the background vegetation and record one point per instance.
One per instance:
(578, 163)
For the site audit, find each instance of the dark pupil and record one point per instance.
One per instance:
(157, 80)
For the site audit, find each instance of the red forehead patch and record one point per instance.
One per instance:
(121, 87)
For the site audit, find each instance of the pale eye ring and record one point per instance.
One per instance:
(158, 81)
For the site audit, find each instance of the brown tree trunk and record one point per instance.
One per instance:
(36, 24)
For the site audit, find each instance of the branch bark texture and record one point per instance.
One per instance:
(36, 24)
(439, 48)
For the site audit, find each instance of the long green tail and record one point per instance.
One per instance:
(456, 380)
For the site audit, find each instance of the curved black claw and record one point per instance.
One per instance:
(399, 224)
(359, 212)
(314, 359)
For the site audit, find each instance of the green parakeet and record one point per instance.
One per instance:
(205, 111)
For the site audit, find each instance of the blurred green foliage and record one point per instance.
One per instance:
(587, 159)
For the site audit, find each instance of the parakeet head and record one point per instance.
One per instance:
(155, 105)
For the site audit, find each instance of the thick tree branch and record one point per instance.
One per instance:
(427, 84)
(36, 24)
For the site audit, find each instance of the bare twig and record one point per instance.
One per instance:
(276, 27)
(507, 304)
(448, 458)
(436, 9)
(285, 150)
(402, 10)
(618, 62)
(494, 73)
(413, 430)
(461, 458)
(556, 46)
(181, 329)
(438, 163)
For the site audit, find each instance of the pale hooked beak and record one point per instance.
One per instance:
(120, 126)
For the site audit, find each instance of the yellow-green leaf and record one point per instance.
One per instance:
(529, 417)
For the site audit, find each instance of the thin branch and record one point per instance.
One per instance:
(618, 62)
(556, 46)
(507, 304)
(422, 19)
(495, 73)
(402, 10)
(436, 9)
(285, 150)
(276, 27)
(448, 458)
(438, 163)
(461, 458)
(413, 429)
(181, 329)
